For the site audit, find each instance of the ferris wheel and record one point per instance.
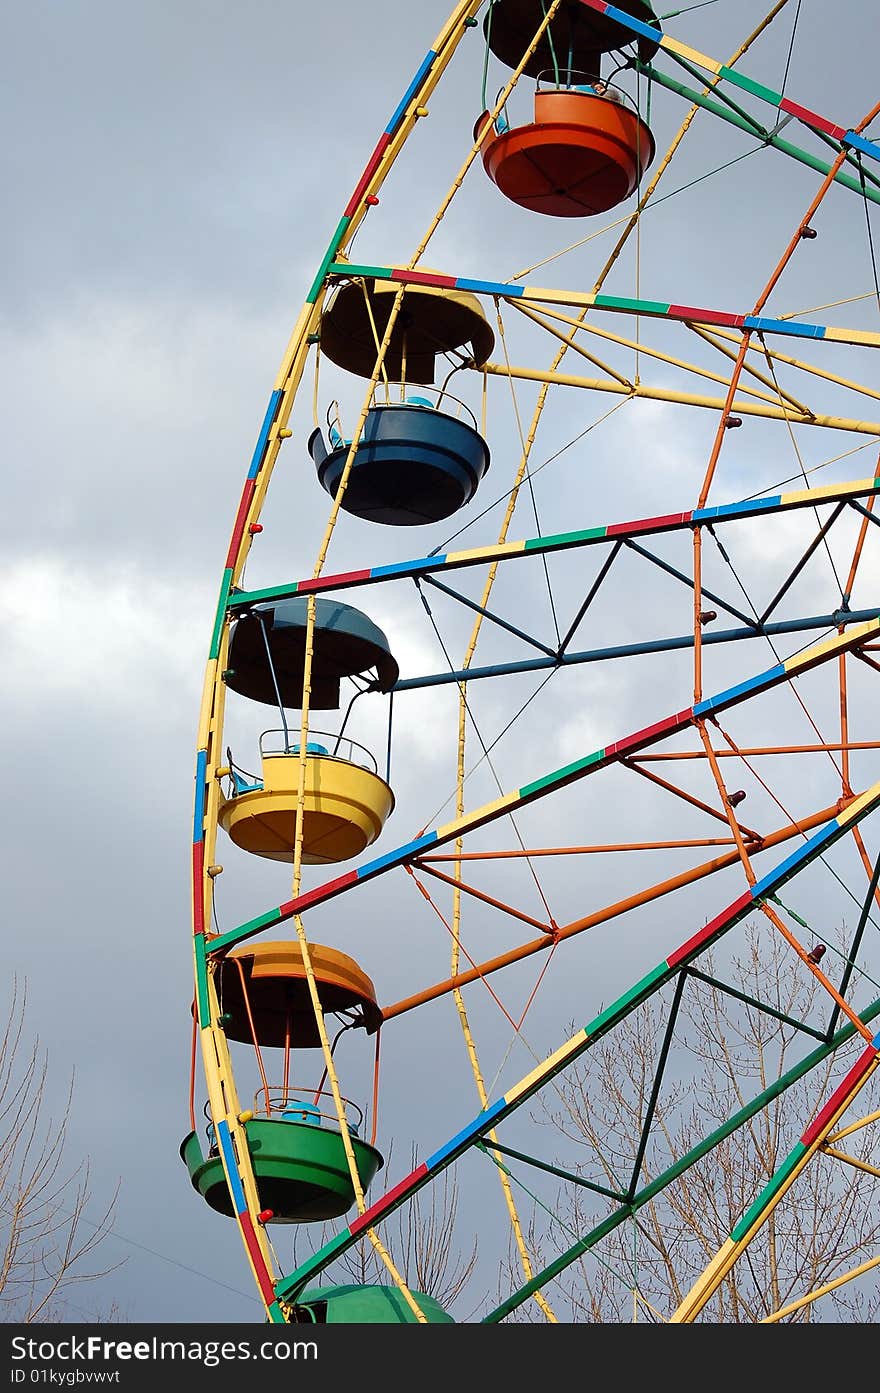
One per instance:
(546, 669)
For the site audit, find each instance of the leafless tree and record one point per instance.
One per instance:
(727, 1052)
(47, 1244)
(422, 1240)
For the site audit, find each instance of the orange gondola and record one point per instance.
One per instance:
(584, 153)
(299, 1155)
(588, 147)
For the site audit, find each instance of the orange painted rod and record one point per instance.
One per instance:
(601, 916)
(747, 832)
(760, 750)
(572, 850)
(487, 899)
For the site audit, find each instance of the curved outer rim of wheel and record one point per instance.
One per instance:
(225, 1108)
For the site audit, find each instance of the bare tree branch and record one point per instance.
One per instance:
(727, 1051)
(46, 1240)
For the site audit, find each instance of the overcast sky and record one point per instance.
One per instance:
(173, 174)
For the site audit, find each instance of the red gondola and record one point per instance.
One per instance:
(584, 153)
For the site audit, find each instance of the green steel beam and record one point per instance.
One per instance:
(644, 1196)
(491, 1147)
(758, 1005)
(784, 146)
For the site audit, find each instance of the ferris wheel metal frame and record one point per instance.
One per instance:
(562, 313)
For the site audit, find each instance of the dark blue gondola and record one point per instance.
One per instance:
(413, 465)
